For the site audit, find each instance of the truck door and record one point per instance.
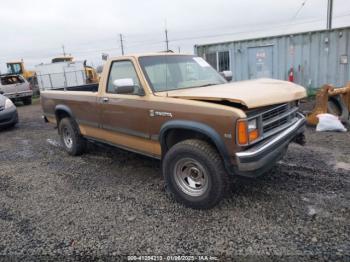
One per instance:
(22, 85)
(125, 117)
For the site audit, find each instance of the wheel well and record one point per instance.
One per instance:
(60, 114)
(177, 135)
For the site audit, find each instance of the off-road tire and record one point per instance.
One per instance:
(27, 101)
(68, 127)
(209, 160)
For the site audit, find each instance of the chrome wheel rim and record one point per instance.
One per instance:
(67, 137)
(191, 177)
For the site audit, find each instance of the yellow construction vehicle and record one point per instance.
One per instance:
(91, 75)
(19, 69)
(331, 100)
(62, 59)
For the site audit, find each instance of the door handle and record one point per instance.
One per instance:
(105, 99)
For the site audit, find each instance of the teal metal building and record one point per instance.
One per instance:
(309, 58)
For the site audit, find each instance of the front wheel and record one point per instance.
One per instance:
(194, 174)
(71, 139)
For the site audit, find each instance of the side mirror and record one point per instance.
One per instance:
(124, 86)
(227, 75)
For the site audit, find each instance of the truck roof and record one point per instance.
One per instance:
(137, 55)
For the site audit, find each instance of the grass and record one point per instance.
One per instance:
(35, 100)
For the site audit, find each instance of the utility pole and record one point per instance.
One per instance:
(166, 40)
(64, 52)
(121, 43)
(329, 14)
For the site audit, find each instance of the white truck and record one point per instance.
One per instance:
(60, 75)
(16, 87)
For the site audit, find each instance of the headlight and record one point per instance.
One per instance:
(247, 131)
(252, 124)
(8, 103)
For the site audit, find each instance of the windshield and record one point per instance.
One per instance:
(165, 73)
(11, 80)
(14, 68)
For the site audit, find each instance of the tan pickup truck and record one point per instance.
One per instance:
(180, 110)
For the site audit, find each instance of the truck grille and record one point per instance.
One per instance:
(274, 112)
(275, 124)
(278, 117)
(275, 119)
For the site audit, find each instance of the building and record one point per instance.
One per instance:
(309, 58)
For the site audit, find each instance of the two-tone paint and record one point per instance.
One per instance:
(144, 123)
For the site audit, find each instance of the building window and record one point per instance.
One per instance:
(224, 61)
(219, 60)
(211, 59)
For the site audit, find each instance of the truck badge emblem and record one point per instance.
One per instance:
(153, 113)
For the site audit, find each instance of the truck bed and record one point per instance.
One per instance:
(87, 88)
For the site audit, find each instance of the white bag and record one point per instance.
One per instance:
(328, 122)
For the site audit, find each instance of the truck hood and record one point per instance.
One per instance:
(251, 93)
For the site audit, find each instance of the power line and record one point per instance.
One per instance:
(242, 32)
(300, 8)
(138, 43)
(97, 50)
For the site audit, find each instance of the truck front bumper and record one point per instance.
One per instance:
(19, 95)
(262, 157)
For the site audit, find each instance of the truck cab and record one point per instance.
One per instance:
(17, 68)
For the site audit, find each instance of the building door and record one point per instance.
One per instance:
(260, 62)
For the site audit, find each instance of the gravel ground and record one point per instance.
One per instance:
(110, 202)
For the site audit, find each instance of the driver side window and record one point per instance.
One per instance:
(122, 70)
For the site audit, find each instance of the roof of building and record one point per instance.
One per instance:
(268, 36)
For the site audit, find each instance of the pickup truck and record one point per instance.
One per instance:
(16, 87)
(178, 109)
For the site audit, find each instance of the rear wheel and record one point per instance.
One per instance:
(27, 100)
(194, 174)
(71, 139)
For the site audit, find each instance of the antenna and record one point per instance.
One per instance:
(64, 51)
(121, 43)
(166, 37)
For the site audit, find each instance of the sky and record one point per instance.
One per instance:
(36, 30)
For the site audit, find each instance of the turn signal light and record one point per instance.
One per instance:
(242, 132)
(246, 132)
(253, 135)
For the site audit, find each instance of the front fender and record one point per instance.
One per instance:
(200, 128)
(63, 108)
